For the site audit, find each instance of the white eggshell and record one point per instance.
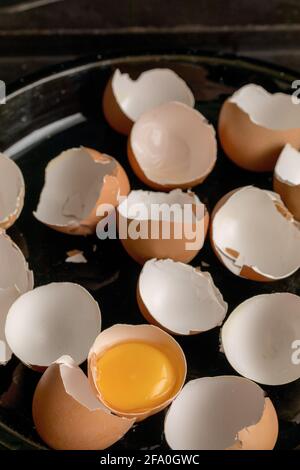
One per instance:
(258, 337)
(15, 279)
(182, 299)
(51, 321)
(211, 413)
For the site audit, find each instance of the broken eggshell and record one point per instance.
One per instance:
(57, 319)
(77, 182)
(125, 100)
(221, 413)
(286, 180)
(146, 333)
(68, 416)
(15, 279)
(12, 192)
(161, 233)
(258, 336)
(179, 298)
(254, 125)
(255, 236)
(172, 146)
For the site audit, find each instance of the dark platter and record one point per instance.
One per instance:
(110, 275)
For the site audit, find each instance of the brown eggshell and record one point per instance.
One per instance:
(12, 192)
(290, 196)
(247, 272)
(150, 334)
(65, 423)
(114, 185)
(256, 437)
(143, 249)
(249, 145)
(113, 113)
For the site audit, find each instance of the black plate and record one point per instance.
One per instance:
(110, 275)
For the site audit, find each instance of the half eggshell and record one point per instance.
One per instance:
(125, 100)
(68, 416)
(145, 333)
(12, 192)
(77, 183)
(257, 338)
(286, 180)
(255, 125)
(15, 279)
(172, 146)
(162, 225)
(255, 236)
(179, 298)
(221, 413)
(50, 321)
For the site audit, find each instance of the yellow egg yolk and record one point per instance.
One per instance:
(135, 376)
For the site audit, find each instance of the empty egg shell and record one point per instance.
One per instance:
(255, 236)
(15, 279)
(179, 298)
(257, 338)
(286, 180)
(178, 235)
(77, 182)
(143, 333)
(221, 413)
(254, 126)
(12, 192)
(51, 321)
(172, 146)
(68, 416)
(125, 100)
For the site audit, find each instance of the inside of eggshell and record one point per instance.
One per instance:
(174, 144)
(142, 205)
(78, 387)
(257, 338)
(274, 111)
(181, 298)
(73, 183)
(209, 413)
(51, 321)
(13, 267)
(152, 88)
(11, 187)
(287, 168)
(7, 298)
(250, 230)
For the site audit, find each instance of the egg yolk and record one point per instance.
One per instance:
(135, 376)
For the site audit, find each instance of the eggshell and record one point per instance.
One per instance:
(15, 279)
(220, 413)
(255, 236)
(258, 336)
(191, 230)
(12, 192)
(68, 416)
(148, 333)
(125, 100)
(77, 182)
(172, 146)
(51, 321)
(255, 125)
(286, 180)
(179, 298)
